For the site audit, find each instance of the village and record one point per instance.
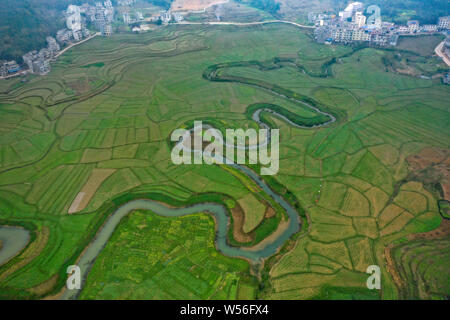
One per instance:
(87, 21)
(351, 25)
(80, 22)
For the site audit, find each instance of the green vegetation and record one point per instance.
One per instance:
(444, 208)
(24, 25)
(151, 257)
(422, 45)
(270, 6)
(426, 11)
(423, 268)
(113, 102)
(297, 119)
(165, 4)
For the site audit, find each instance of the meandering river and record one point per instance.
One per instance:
(222, 224)
(263, 250)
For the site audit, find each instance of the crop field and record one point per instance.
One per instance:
(151, 257)
(423, 45)
(423, 266)
(95, 133)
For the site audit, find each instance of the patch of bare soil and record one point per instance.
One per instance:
(390, 266)
(407, 71)
(45, 286)
(270, 212)
(238, 224)
(96, 178)
(282, 226)
(194, 5)
(80, 86)
(442, 232)
(432, 167)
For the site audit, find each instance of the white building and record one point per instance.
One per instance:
(53, 46)
(11, 66)
(360, 19)
(73, 18)
(63, 35)
(350, 10)
(166, 16)
(402, 29)
(38, 63)
(106, 30)
(126, 18)
(413, 26)
(125, 2)
(178, 17)
(430, 28)
(444, 23)
(360, 35)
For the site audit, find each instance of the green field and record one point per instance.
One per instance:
(113, 102)
(150, 257)
(423, 267)
(423, 45)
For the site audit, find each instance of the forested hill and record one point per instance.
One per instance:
(24, 24)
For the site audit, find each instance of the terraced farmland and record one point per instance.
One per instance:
(423, 267)
(94, 133)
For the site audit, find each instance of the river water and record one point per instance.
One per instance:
(222, 220)
(13, 239)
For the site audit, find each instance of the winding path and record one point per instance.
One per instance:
(441, 53)
(225, 23)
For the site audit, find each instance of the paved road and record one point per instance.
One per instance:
(441, 54)
(75, 44)
(247, 23)
(56, 56)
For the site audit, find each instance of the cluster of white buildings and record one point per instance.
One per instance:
(8, 68)
(132, 18)
(77, 17)
(38, 62)
(165, 17)
(101, 15)
(168, 16)
(351, 25)
(413, 26)
(125, 3)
